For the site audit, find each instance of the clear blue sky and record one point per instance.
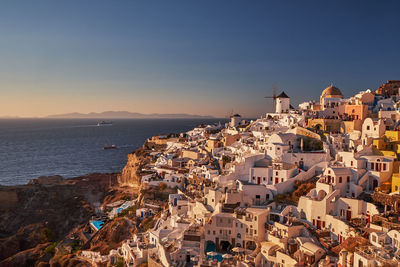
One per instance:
(200, 57)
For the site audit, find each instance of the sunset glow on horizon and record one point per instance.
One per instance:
(203, 58)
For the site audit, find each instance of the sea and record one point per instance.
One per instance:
(30, 148)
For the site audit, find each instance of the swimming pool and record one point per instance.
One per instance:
(97, 224)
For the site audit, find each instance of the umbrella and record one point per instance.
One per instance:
(212, 253)
(227, 256)
(237, 249)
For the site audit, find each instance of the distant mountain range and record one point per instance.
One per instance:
(123, 115)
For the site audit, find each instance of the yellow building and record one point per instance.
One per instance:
(396, 177)
(393, 136)
(395, 182)
(213, 143)
(389, 144)
(351, 126)
(326, 125)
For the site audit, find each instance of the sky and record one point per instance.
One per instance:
(200, 57)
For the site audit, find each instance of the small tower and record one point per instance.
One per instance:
(235, 120)
(282, 103)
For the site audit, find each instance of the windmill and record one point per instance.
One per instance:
(274, 89)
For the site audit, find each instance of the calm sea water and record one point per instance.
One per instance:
(71, 147)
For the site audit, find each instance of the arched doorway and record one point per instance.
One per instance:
(210, 246)
(225, 246)
(374, 184)
(321, 195)
(318, 127)
(301, 164)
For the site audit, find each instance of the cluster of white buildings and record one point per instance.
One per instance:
(234, 181)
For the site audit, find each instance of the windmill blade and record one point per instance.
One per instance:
(274, 90)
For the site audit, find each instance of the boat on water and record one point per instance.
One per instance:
(104, 123)
(109, 147)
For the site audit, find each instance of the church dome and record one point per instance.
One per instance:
(332, 91)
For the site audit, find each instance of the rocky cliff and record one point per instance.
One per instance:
(132, 173)
(33, 215)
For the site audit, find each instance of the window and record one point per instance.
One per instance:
(213, 232)
(368, 127)
(384, 166)
(333, 180)
(255, 218)
(255, 232)
(351, 163)
(340, 179)
(220, 232)
(348, 179)
(239, 236)
(276, 173)
(264, 179)
(208, 231)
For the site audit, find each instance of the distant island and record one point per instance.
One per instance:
(124, 115)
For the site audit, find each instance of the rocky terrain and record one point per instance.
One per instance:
(131, 174)
(34, 216)
(40, 221)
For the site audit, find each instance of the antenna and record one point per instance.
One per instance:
(274, 89)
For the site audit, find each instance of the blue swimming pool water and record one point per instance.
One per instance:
(98, 224)
(218, 257)
(210, 246)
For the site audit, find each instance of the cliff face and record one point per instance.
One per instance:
(131, 174)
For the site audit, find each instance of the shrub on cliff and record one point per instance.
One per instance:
(46, 235)
(130, 210)
(51, 249)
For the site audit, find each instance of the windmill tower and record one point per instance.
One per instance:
(282, 103)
